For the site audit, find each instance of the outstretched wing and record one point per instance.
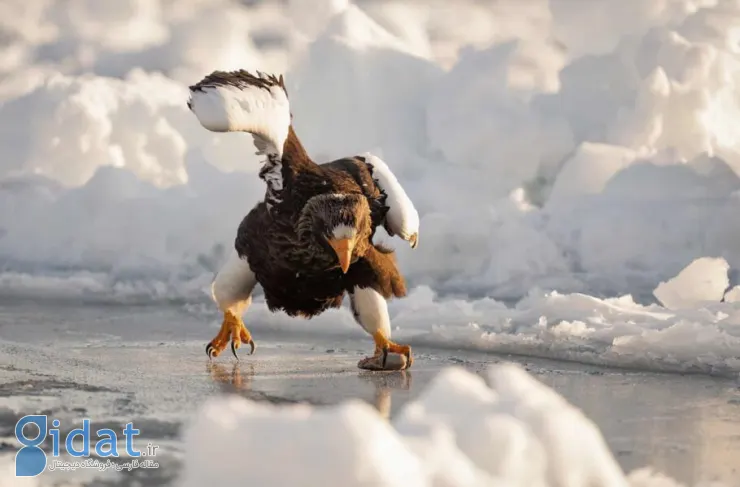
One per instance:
(239, 101)
(402, 218)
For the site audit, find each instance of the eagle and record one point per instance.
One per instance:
(309, 242)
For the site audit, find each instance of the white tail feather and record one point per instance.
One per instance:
(402, 218)
(242, 102)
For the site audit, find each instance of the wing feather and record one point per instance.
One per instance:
(402, 218)
(239, 101)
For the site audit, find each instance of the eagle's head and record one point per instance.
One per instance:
(339, 222)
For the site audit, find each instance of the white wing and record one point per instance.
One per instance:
(241, 102)
(402, 218)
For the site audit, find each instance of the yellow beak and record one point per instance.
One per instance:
(343, 248)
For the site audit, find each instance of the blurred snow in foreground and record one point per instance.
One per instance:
(509, 430)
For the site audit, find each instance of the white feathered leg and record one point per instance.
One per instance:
(370, 310)
(232, 291)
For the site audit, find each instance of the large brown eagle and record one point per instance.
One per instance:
(310, 240)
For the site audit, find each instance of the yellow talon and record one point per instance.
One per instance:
(232, 328)
(383, 347)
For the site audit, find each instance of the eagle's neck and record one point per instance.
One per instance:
(294, 154)
(278, 172)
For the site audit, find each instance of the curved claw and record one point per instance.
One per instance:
(233, 348)
(409, 360)
(252, 345)
(414, 240)
(210, 351)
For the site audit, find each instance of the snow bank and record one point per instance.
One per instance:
(68, 127)
(617, 332)
(374, 96)
(558, 157)
(179, 38)
(582, 328)
(459, 432)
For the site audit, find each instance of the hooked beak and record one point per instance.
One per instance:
(343, 248)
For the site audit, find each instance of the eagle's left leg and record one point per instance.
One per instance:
(370, 310)
(232, 291)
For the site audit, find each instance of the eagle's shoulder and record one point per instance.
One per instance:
(353, 175)
(336, 177)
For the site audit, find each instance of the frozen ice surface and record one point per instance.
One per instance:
(147, 364)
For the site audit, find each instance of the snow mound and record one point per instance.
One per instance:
(357, 447)
(588, 171)
(480, 117)
(360, 109)
(704, 280)
(613, 331)
(517, 431)
(180, 38)
(459, 432)
(68, 127)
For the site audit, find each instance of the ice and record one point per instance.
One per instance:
(459, 432)
(613, 331)
(703, 281)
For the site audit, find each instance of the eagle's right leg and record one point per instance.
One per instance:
(232, 291)
(370, 310)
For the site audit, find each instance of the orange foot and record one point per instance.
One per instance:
(380, 360)
(232, 327)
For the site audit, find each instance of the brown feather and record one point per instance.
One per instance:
(298, 271)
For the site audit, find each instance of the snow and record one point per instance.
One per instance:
(81, 122)
(704, 280)
(7, 474)
(565, 161)
(588, 171)
(508, 429)
(232, 437)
